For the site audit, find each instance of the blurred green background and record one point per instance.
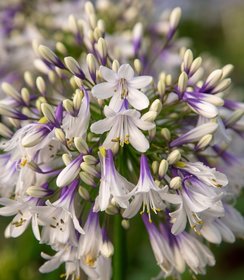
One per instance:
(215, 29)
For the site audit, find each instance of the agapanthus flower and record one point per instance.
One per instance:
(122, 86)
(113, 186)
(113, 123)
(124, 128)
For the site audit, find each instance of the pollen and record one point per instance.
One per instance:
(102, 151)
(43, 120)
(89, 260)
(23, 162)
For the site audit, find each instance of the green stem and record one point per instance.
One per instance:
(119, 258)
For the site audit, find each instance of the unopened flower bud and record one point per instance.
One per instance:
(107, 249)
(234, 117)
(152, 133)
(87, 179)
(161, 87)
(29, 79)
(41, 86)
(52, 76)
(163, 168)
(155, 165)
(74, 67)
(11, 91)
(90, 159)
(168, 80)
(204, 142)
(150, 116)
(78, 81)
(97, 33)
(156, 106)
(25, 95)
(60, 47)
(69, 106)
(115, 65)
(73, 25)
(112, 210)
(214, 78)
(89, 8)
(195, 65)
(66, 159)
(50, 56)
(81, 145)
(90, 169)
(175, 17)
(223, 85)
(176, 183)
(48, 112)
(60, 135)
(187, 60)
(36, 191)
(77, 100)
(166, 134)
(101, 25)
(5, 131)
(83, 192)
(226, 70)
(182, 82)
(174, 156)
(91, 63)
(125, 224)
(138, 66)
(102, 50)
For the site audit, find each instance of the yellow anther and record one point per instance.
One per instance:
(180, 164)
(102, 151)
(89, 260)
(43, 120)
(23, 162)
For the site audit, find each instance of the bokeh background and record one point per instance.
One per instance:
(216, 27)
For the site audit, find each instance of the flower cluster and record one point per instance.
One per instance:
(129, 123)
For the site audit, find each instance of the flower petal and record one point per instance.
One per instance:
(140, 82)
(137, 138)
(108, 74)
(133, 208)
(104, 90)
(101, 126)
(137, 99)
(126, 72)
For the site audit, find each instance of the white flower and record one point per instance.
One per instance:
(67, 254)
(90, 243)
(102, 270)
(199, 196)
(186, 250)
(122, 85)
(147, 193)
(161, 248)
(112, 186)
(59, 219)
(123, 127)
(24, 209)
(225, 228)
(209, 176)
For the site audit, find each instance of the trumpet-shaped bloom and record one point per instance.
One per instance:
(24, 209)
(124, 128)
(59, 219)
(148, 194)
(112, 186)
(122, 85)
